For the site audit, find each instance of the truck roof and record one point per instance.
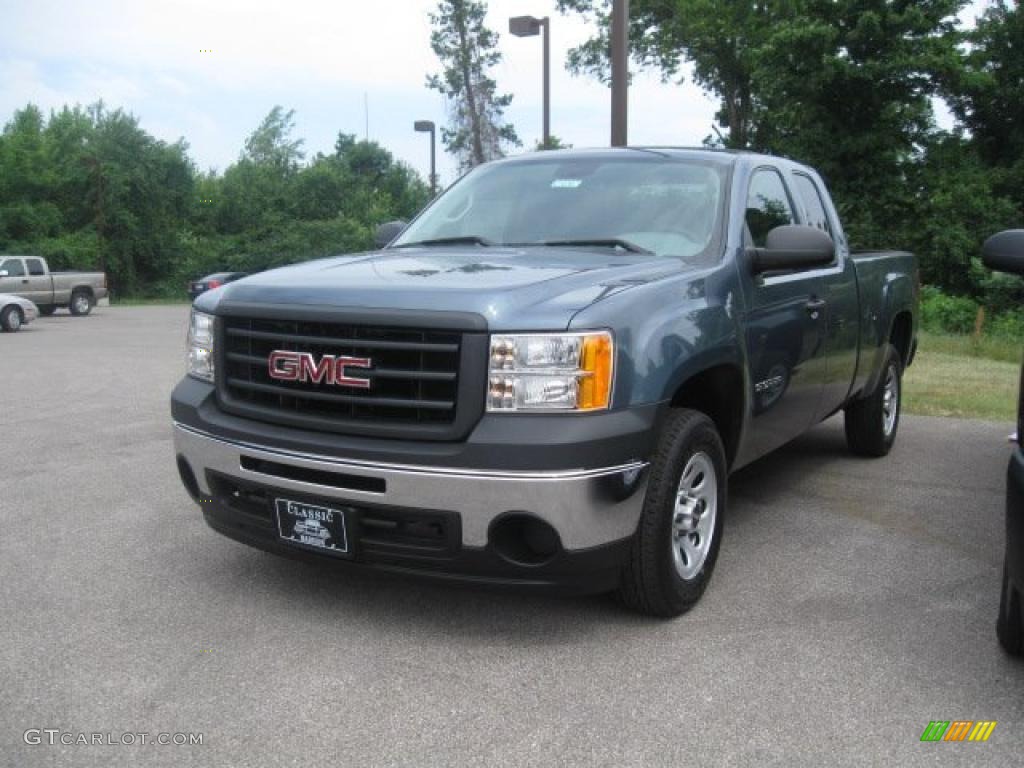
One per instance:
(724, 156)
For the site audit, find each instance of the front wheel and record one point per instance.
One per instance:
(676, 544)
(81, 303)
(10, 320)
(871, 422)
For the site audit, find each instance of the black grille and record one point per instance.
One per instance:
(415, 376)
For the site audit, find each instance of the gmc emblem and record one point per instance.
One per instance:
(302, 366)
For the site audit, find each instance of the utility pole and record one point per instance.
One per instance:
(620, 71)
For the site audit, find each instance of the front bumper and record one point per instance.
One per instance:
(235, 469)
(1015, 519)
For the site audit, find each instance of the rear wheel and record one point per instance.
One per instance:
(676, 544)
(81, 303)
(1010, 626)
(871, 422)
(11, 319)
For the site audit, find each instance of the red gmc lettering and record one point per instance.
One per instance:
(284, 365)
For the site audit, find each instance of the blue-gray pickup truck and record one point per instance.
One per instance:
(547, 377)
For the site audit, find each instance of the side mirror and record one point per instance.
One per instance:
(794, 247)
(1003, 252)
(4, 273)
(387, 232)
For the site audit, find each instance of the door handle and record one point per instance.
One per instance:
(24, 282)
(815, 307)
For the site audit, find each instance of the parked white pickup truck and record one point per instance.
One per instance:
(30, 278)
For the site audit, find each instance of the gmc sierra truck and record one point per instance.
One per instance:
(547, 377)
(30, 278)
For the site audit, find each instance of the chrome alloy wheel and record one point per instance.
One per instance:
(81, 303)
(14, 321)
(890, 400)
(693, 520)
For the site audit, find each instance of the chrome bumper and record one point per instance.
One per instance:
(588, 508)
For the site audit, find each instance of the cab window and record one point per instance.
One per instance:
(810, 196)
(35, 267)
(13, 267)
(768, 205)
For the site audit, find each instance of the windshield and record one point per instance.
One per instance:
(670, 207)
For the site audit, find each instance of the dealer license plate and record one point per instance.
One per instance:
(312, 526)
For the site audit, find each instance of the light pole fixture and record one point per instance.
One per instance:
(528, 26)
(620, 71)
(427, 126)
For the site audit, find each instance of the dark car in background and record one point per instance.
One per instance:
(1005, 252)
(216, 280)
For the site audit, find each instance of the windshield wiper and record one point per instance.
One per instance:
(461, 240)
(604, 242)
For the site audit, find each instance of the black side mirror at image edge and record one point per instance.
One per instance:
(1004, 251)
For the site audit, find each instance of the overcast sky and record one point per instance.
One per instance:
(323, 58)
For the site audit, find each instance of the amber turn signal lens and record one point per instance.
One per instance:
(596, 361)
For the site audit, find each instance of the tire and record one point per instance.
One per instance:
(47, 311)
(1010, 625)
(659, 579)
(81, 303)
(11, 319)
(872, 422)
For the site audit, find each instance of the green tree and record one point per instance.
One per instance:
(25, 208)
(467, 50)
(271, 144)
(987, 95)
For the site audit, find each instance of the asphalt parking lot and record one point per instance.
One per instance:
(854, 601)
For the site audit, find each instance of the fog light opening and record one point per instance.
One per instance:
(525, 540)
(188, 478)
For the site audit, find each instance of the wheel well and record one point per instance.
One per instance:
(901, 335)
(718, 393)
(82, 289)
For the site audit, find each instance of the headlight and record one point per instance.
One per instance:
(199, 359)
(550, 372)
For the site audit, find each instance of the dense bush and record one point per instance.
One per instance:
(943, 313)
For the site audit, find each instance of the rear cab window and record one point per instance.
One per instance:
(814, 206)
(35, 267)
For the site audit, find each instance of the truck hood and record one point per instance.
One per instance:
(532, 288)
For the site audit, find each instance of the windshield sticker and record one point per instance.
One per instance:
(566, 183)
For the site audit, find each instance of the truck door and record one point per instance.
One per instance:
(842, 326)
(16, 280)
(784, 328)
(40, 289)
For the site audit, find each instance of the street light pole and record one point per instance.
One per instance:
(427, 126)
(528, 26)
(546, 24)
(620, 71)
